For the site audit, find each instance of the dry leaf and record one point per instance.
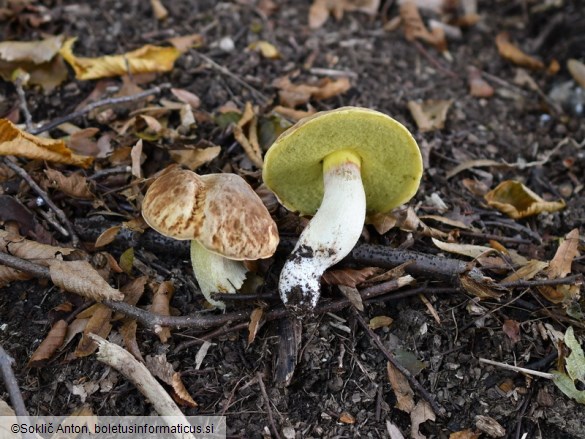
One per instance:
(186, 42)
(23, 248)
(472, 251)
(560, 265)
(401, 387)
(134, 290)
(81, 278)
(18, 143)
(353, 295)
(577, 70)
(512, 329)
(181, 395)
(127, 260)
(512, 53)
(517, 201)
(429, 115)
(194, 158)
(36, 52)
(379, 322)
(74, 185)
(187, 97)
(291, 95)
(160, 12)
(246, 133)
(266, 49)
(107, 236)
(99, 324)
(128, 333)
(478, 87)
(526, 272)
(472, 164)
(348, 276)
(346, 418)
(292, 114)
(8, 274)
(321, 9)
(53, 341)
(421, 413)
(464, 434)
(480, 286)
(414, 28)
(147, 59)
(254, 325)
(161, 305)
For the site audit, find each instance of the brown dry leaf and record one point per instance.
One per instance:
(346, 418)
(37, 52)
(401, 387)
(321, 9)
(159, 367)
(421, 413)
(414, 28)
(577, 70)
(23, 248)
(469, 250)
(266, 49)
(161, 305)
(328, 88)
(526, 272)
(194, 158)
(382, 222)
(128, 333)
(134, 290)
(464, 434)
(353, 295)
(254, 325)
(429, 115)
(136, 156)
(53, 341)
(246, 133)
(159, 10)
(81, 278)
(348, 276)
(473, 164)
(513, 54)
(478, 87)
(512, 329)
(292, 114)
(107, 236)
(186, 42)
(180, 393)
(480, 286)
(560, 265)
(517, 201)
(74, 185)
(147, 59)
(379, 322)
(99, 324)
(291, 95)
(18, 143)
(187, 97)
(8, 274)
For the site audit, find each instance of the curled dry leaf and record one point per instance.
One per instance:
(128, 333)
(266, 49)
(161, 304)
(348, 276)
(512, 329)
(291, 95)
(517, 201)
(194, 158)
(429, 115)
(74, 185)
(18, 143)
(53, 341)
(379, 322)
(147, 59)
(81, 278)
(401, 387)
(27, 249)
(246, 133)
(577, 70)
(321, 9)
(99, 324)
(414, 28)
(254, 325)
(180, 393)
(292, 114)
(513, 54)
(421, 413)
(107, 236)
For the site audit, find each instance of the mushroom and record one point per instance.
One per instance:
(221, 215)
(337, 165)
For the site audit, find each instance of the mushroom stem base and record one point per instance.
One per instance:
(329, 237)
(216, 274)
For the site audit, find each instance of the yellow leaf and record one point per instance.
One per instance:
(147, 59)
(107, 236)
(380, 322)
(517, 201)
(18, 143)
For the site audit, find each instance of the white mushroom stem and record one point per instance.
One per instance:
(330, 235)
(215, 273)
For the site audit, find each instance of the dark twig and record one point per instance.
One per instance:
(267, 402)
(109, 101)
(23, 104)
(440, 411)
(424, 52)
(33, 184)
(577, 278)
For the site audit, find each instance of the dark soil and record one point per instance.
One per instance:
(340, 370)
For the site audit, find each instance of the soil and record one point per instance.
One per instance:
(340, 387)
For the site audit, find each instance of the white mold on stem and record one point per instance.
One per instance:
(329, 237)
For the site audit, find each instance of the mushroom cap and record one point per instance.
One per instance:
(391, 162)
(220, 211)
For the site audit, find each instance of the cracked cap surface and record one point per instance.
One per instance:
(221, 211)
(391, 162)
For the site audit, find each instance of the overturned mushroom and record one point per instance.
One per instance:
(337, 165)
(221, 215)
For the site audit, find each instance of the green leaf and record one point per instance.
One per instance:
(576, 360)
(567, 386)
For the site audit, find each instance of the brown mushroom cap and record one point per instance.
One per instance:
(221, 211)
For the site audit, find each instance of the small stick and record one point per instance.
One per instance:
(536, 283)
(137, 373)
(33, 184)
(433, 61)
(268, 408)
(23, 104)
(411, 379)
(97, 104)
(548, 376)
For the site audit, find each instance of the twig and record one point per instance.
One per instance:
(109, 101)
(440, 411)
(23, 104)
(536, 283)
(235, 77)
(548, 376)
(433, 61)
(33, 184)
(267, 402)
